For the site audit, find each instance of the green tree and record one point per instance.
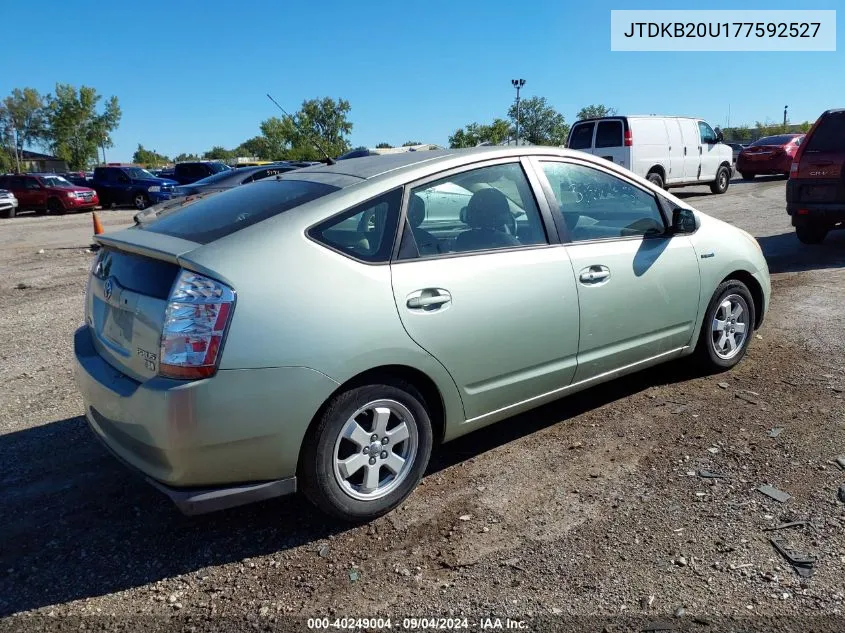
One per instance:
(474, 133)
(384, 146)
(184, 158)
(149, 158)
(23, 115)
(322, 120)
(256, 146)
(219, 152)
(539, 123)
(595, 110)
(76, 129)
(411, 143)
(497, 132)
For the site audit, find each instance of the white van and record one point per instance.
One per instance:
(669, 151)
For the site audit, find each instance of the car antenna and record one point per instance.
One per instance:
(329, 159)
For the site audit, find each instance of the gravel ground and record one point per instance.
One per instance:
(590, 511)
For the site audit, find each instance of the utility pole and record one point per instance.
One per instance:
(784, 115)
(517, 83)
(17, 159)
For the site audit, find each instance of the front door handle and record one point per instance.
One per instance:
(428, 299)
(594, 275)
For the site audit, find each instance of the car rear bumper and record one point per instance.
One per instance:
(804, 212)
(200, 441)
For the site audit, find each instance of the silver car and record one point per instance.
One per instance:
(325, 330)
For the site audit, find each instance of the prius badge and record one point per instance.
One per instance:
(108, 287)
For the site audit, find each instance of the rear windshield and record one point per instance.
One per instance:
(829, 135)
(609, 134)
(781, 139)
(582, 136)
(230, 211)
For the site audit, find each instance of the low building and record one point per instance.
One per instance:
(43, 163)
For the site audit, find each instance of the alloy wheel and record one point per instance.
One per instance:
(730, 326)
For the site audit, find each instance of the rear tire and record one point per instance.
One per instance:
(345, 431)
(811, 233)
(730, 317)
(655, 178)
(747, 176)
(723, 180)
(55, 207)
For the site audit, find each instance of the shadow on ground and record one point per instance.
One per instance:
(784, 253)
(736, 183)
(78, 524)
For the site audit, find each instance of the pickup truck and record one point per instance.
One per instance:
(47, 193)
(188, 173)
(130, 185)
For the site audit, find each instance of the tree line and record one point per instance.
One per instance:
(69, 123)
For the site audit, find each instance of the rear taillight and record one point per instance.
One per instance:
(629, 138)
(198, 312)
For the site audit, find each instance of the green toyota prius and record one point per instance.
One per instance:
(326, 329)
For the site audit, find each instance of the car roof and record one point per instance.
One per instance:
(368, 167)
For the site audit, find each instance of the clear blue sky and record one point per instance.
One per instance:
(190, 75)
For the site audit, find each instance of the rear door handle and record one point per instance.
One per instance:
(594, 275)
(428, 299)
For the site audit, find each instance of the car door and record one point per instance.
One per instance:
(36, 194)
(710, 152)
(478, 285)
(609, 142)
(692, 149)
(638, 285)
(15, 184)
(676, 150)
(581, 137)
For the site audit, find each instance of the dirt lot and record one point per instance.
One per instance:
(589, 508)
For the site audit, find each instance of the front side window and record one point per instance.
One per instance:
(31, 183)
(706, 132)
(829, 135)
(364, 232)
(596, 205)
(582, 136)
(609, 134)
(478, 210)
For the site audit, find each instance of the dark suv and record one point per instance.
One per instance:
(187, 173)
(815, 192)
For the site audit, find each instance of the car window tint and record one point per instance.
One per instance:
(582, 136)
(597, 205)
(477, 210)
(829, 135)
(222, 214)
(707, 133)
(609, 134)
(365, 231)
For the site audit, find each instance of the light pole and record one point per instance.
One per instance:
(784, 115)
(15, 141)
(517, 83)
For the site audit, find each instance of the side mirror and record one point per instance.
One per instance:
(683, 221)
(719, 135)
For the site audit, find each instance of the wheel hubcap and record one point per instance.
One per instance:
(730, 327)
(375, 450)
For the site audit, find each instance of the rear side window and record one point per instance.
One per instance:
(829, 135)
(230, 211)
(609, 134)
(364, 232)
(582, 136)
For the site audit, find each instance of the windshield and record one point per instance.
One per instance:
(230, 211)
(136, 173)
(219, 167)
(781, 139)
(55, 181)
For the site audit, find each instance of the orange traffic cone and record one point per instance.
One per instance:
(98, 226)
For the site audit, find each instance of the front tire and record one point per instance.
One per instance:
(55, 207)
(723, 180)
(140, 201)
(811, 233)
(655, 178)
(727, 327)
(367, 451)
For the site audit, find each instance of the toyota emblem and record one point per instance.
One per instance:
(107, 289)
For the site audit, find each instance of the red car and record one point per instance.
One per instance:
(815, 192)
(49, 193)
(768, 155)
